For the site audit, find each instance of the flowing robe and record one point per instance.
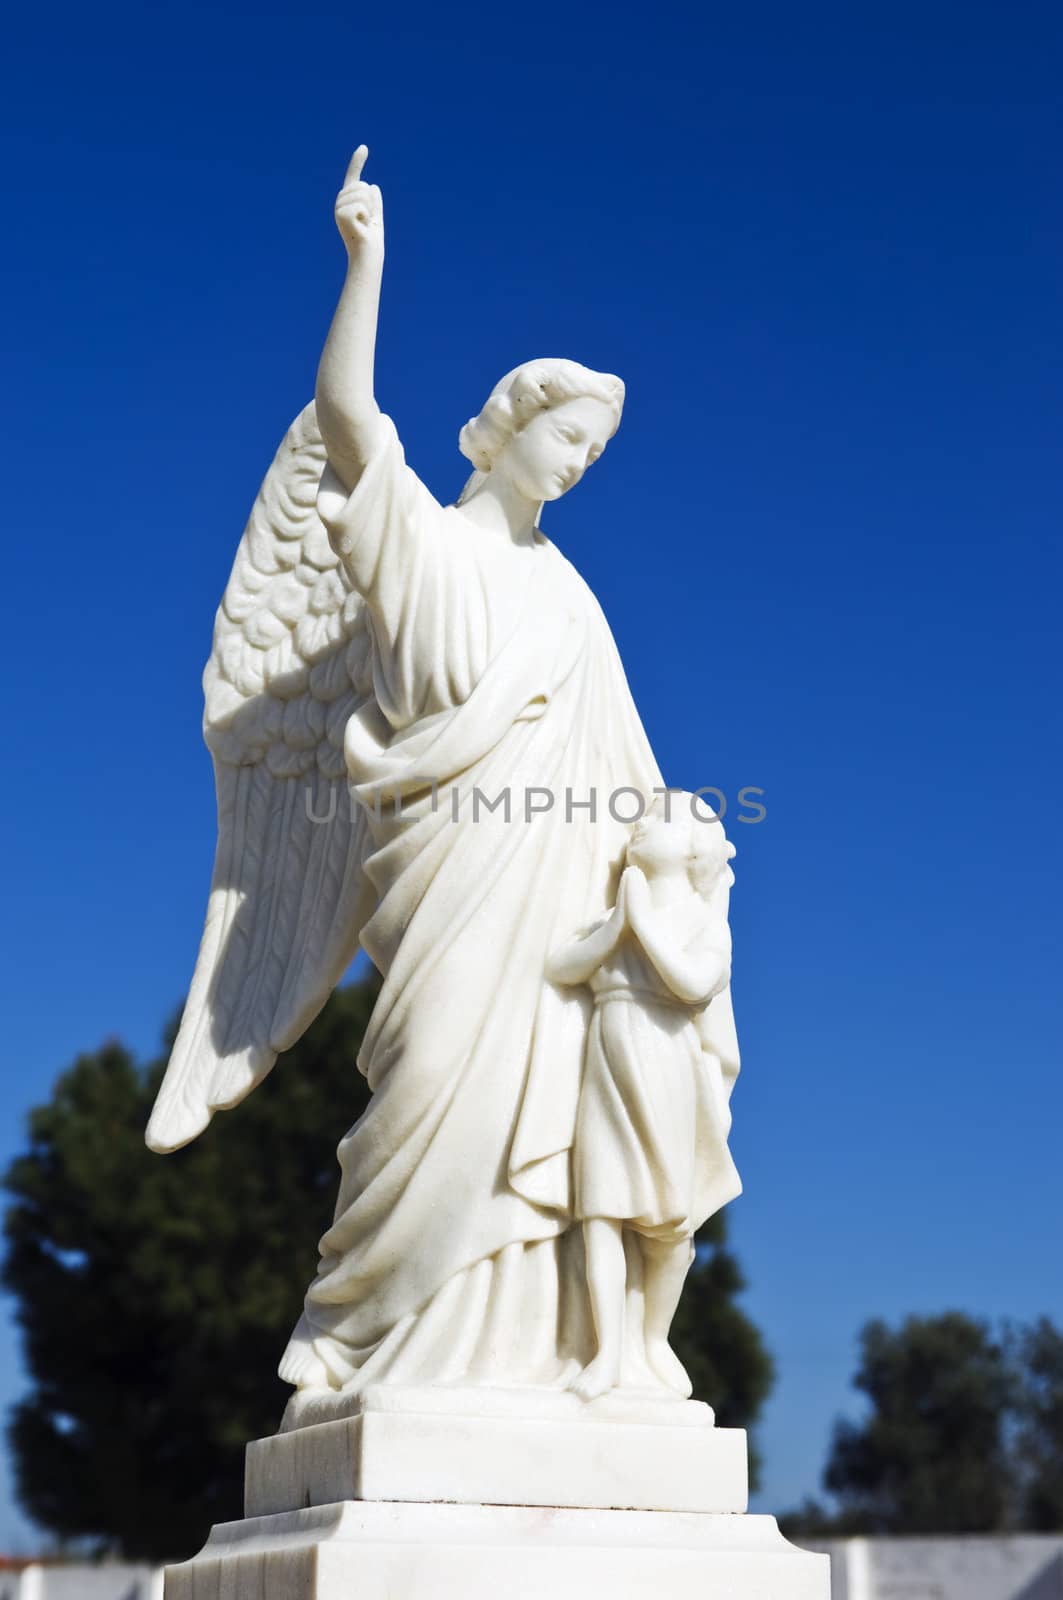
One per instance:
(494, 671)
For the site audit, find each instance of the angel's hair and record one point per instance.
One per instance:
(709, 849)
(519, 396)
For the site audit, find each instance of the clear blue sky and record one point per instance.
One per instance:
(822, 246)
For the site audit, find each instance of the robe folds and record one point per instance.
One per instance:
(451, 1254)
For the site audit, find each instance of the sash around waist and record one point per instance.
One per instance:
(642, 997)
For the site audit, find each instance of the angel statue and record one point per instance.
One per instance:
(385, 672)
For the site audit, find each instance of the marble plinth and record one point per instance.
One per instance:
(499, 1447)
(375, 1551)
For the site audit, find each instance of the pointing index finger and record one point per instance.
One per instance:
(358, 161)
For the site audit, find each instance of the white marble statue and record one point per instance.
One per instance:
(425, 745)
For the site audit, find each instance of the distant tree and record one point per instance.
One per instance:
(722, 1350)
(1038, 1447)
(932, 1456)
(156, 1294)
(965, 1434)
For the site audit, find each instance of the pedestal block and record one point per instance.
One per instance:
(499, 1460)
(382, 1551)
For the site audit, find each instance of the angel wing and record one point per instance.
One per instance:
(290, 664)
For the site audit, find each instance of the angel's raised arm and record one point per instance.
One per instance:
(347, 411)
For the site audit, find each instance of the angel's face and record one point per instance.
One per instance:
(552, 452)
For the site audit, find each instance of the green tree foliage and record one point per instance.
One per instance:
(156, 1293)
(931, 1457)
(964, 1433)
(1038, 1358)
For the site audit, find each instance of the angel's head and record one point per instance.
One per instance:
(675, 836)
(543, 425)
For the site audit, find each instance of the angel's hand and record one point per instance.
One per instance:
(360, 210)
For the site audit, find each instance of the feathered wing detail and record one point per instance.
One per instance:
(289, 666)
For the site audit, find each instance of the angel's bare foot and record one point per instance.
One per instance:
(598, 1376)
(304, 1369)
(668, 1367)
(301, 1365)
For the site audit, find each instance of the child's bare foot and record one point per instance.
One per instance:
(668, 1367)
(598, 1376)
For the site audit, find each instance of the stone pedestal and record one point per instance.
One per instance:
(502, 1447)
(363, 1550)
(437, 1494)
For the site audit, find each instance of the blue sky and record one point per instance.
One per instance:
(821, 244)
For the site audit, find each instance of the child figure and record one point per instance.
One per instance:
(650, 1155)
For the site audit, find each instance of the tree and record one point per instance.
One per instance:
(965, 1434)
(1038, 1358)
(932, 1457)
(156, 1294)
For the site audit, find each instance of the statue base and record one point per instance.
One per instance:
(451, 1493)
(630, 1450)
(389, 1551)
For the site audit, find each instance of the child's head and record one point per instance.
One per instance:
(677, 835)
